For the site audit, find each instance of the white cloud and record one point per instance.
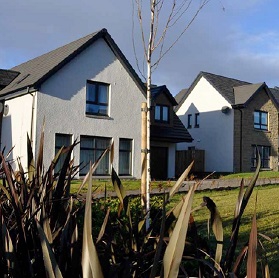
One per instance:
(235, 42)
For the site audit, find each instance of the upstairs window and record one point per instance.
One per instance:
(97, 97)
(260, 120)
(197, 120)
(162, 113)
(189, 125)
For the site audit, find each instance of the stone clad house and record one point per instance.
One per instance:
(228, 118)
(85, 90)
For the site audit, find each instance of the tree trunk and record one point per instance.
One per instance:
(143, 154)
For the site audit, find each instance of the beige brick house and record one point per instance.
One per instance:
(233, 118)
(255, 124)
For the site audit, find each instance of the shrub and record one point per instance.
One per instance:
(48, 232)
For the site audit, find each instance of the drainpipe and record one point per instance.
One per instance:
(240, 142)
(32, 115)
(1, 121)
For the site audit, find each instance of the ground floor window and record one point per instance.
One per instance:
(61, 140)
(265, 156)
(125, 157)
(90, 150)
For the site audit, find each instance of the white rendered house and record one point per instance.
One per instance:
(225, 118)
(85, 90)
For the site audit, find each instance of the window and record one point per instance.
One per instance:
(189, 121)
(125, 157)
(97, 95)
(197, 120)
(90, 150)
(265, 156)
(162, 113)
(61, 140)
(260, 120)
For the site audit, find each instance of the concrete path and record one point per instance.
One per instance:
(206, 184)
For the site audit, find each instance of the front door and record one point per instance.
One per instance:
(159, 163)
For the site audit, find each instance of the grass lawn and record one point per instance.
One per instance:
(132, 184)
(263, 174)
(267, 209)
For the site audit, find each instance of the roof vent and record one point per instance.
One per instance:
(225, 109)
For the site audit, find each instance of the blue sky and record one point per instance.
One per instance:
(238, 40)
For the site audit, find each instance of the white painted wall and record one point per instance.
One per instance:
(15, 126)
(62, 101)
(215, 134)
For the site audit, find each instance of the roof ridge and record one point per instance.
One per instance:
(37, 70)
(60, 47)
(222, 76)
(250, 84)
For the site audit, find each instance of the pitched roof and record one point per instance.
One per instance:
(233, 90)
(157, 90)
(34, 72)
(224, 85)
(242, 94)
(6, 77)
(182, 94)
(275, 93)
(175, 134)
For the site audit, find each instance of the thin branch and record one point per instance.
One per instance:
(182, 33)
(133, 42)
(162, 38)
(151, 32)
(158, 8)
(175, 15)
(180, 13)
(139, 8)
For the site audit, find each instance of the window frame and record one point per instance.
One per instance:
(260, 125)
(130, 156)
(189, 121)
(197, 120)
(97, 102)
(161, 113)
(95, 153)
(263, 150)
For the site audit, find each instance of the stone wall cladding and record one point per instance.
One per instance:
(237, 134)
(250, 136)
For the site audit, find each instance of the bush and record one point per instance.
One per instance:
(48, 232)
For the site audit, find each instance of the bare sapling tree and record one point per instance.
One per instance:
(165, 16)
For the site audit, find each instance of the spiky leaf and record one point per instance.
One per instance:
(91, 267)
(252, 250)
(174, 250)
(51, 266)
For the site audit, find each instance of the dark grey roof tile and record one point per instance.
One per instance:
(178, 97)
(243, 93)
(156, 91)
(6, 77)
(36, 71)
(224, 85)
(175, 134)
